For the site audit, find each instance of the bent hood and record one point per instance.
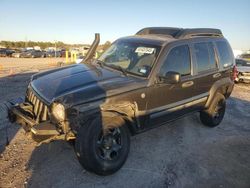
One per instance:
(82, 83)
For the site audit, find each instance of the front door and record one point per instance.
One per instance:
(166, 100)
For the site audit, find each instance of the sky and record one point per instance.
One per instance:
(77, 21)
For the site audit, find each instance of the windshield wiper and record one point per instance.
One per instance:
(99, 62)
(117, 67)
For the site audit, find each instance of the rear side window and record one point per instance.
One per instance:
(178, 60)
(212, 55)
(225, 54)
(205, 56)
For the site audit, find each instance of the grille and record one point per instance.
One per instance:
(40, 109)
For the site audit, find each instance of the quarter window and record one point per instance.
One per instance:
(226, 57)
(178, 60)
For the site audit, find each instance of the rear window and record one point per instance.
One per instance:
(205, 56)
(178, 60)
(226, 58)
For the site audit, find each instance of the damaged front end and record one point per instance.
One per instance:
(41, 118)
(35, 116)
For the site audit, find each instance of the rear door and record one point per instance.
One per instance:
(205, 67)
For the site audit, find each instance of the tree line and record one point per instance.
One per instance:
(24, 44)
(43, 45)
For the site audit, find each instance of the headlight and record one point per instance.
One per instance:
(58, 111)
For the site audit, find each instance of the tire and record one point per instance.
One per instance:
(102, 150)
(213, 116)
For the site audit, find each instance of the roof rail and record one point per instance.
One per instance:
(199, 32)
(172, 31)
(181, 33)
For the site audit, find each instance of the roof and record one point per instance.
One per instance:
(162, 35)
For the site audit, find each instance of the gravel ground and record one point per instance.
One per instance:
(181, 154)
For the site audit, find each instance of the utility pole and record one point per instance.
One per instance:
(55, 48)
(26, 42)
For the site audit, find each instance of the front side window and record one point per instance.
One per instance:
(178, 60)
(131, 57)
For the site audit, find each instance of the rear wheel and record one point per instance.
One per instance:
(102, 150)
(214, 115)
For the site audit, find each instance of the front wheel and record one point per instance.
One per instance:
(102, 150)
(215, 113)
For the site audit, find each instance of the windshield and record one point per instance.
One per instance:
(135, 58)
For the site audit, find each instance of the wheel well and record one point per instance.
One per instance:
(223, 86)
(119, 120)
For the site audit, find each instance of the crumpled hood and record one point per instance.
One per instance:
(81, 83)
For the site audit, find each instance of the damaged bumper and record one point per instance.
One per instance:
(22, 114)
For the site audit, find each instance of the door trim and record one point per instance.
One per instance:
(175, 106)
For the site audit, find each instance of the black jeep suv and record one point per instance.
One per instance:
(140, 82)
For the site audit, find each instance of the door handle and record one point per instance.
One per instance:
(187, 84)
(217, 75)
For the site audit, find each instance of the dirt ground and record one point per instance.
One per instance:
(181, 154)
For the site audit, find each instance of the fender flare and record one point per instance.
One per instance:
(125, 111)
(121, 113)
(223, 86)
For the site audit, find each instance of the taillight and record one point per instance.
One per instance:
(235, 73)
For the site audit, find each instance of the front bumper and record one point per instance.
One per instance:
(22, 114)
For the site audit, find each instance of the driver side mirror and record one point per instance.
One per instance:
(170, 77)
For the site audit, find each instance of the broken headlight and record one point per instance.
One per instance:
(58, 111)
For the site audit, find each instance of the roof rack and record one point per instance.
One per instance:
(199, 32)
(181, 33)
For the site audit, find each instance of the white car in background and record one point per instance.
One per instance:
(243, 68)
